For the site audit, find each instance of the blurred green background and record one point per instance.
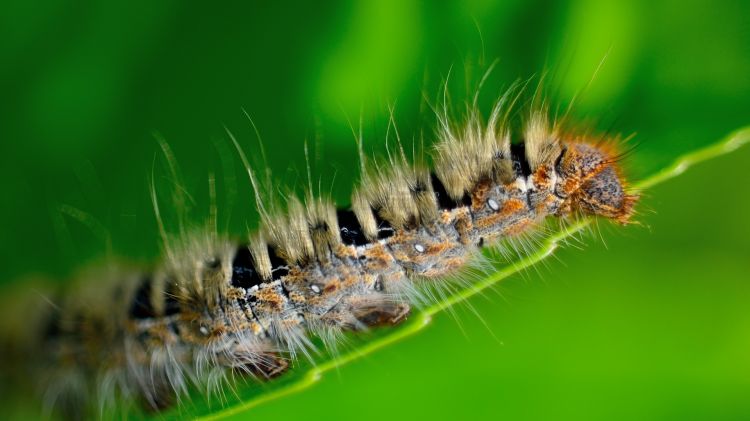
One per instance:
(652, 326)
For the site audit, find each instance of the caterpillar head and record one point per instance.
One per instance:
(592, 183)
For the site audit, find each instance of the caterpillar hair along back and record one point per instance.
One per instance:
(218, 307)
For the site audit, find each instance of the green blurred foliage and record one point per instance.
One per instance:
(85, 87)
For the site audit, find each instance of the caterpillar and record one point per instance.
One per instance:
(216, 307)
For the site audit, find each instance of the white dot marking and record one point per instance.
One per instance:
(419, 248)
(316, 289)
(492, 203)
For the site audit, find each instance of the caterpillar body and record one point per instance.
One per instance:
(216, 307)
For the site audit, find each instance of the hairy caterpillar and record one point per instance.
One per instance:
(216, 306)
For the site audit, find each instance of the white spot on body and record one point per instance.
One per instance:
(204, 330)
(492, 203)
(315, 289)
(419, 248)
(361, 250)
(530, 184)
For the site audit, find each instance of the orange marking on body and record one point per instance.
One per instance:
(446, 217)
(297, 298)
(271, 297)
(570, 185)
(295, 275)
(438, 248)
(343, 250)
(235, 293)
(479, 195)
(378, 258)
(331, 286)
(218, 331)
(511, 206)
(541, 176)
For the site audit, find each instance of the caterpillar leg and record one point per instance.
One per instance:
(268, 367)
(385, 314)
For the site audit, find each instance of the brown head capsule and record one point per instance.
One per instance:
(591, 183)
